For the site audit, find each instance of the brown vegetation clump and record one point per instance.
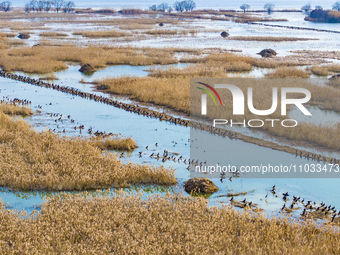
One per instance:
(288, 72)
(12, 109)
(49, 77)
(170, 224)
(45, 161)
(114, 143)
(100, 34)
(162, 32)
(319, 70)
(200, 185)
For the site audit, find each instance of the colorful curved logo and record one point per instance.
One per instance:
(209, 93)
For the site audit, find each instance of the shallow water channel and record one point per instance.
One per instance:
(173, 138)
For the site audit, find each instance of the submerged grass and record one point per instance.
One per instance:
(170, 224)
(52, 34)
(45, 161)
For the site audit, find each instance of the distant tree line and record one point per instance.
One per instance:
(58, 5)
(188, 5)
(5, 6)
(319, 15)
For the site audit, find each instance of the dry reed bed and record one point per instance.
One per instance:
(173, 224)
(333, 68)
(45, 161)
(53, 34)
(114, 143)
(46, 59)
(288, 72)
(101, 34)
(12, 109)
(170, 92)
(269, 38)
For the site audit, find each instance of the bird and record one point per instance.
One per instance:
(333, 217)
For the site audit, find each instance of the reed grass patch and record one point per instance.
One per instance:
(48, 162)
(334, 68)
(53, 34)
(288, 72)
(170, 224)
(100, 34)
(114, 143)
(319, 70)
(12, 109)
(269, 38)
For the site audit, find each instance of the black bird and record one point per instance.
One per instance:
(231, 199)
(244, 200)
(333, 217)
(221, 180)
(285, 194)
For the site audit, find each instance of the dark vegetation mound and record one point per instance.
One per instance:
(87, 68)
(200, 185)
(224, 34)
(324, 16)
(267, 53)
